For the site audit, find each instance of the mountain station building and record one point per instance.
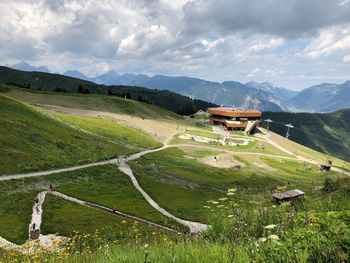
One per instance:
(235, 119)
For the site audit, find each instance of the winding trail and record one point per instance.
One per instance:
(194, 227)
(35, 223)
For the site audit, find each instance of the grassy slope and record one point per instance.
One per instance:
(103, 185)
(122, 135)
(183, 186)
(15, 211)
(256, 146)
(327, 133)
(66, 218)
(31, 140)
(93, 102)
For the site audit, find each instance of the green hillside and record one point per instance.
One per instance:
(327, 133)
(58, 83)
(90, 102)
(31, 140)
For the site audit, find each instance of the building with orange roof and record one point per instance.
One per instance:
(235, 119)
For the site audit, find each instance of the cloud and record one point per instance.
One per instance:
(346, 58)
(213, 39)
(288, 19)
(330, 40)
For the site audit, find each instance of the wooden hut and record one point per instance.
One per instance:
(287, 196)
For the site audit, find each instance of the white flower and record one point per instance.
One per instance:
(223, 199)
(269, 227)
(219, 206)
(230, 194)
(205, 206)
(273, 237)
(215, 202)
(262, 239)
(229, 216)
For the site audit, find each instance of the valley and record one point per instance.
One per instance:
(114, 169)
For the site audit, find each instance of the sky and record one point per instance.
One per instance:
(290, 43)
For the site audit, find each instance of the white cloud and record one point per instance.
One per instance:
(331, 40)
(211, 39)
(346, 58)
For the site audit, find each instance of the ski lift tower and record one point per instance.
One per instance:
(268, 123)
(289, 126)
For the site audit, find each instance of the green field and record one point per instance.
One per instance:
(103, 185)
(256, 146)
(93, 102)
(31, 140)
(67, 219)
(184, 185)
(204, 133)
(127, 138)
(15, 210)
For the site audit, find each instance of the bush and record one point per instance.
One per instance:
(329, 185)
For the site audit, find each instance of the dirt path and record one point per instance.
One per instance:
(4, 244)
(133, 157)
(35, 223)
(194, 227)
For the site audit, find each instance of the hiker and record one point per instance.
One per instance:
(50, 187)
(37, 210)
(113, 211)
(36, 200)
(33, 226)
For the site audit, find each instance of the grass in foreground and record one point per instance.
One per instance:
(103, 185)
(289, 232)
(67, 219)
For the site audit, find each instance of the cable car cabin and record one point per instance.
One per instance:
(287, 196)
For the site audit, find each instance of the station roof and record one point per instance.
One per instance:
(233, 112)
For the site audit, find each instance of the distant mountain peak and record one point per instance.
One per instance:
(76, 74)
(24, 66)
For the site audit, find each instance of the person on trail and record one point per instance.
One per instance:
(113, 211)
(33, 226)
(50, 187)
(36, 200)
(37, 210)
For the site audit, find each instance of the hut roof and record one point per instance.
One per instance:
(288, 194)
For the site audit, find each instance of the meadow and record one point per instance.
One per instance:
(32, 140)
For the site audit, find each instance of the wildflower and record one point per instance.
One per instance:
(229, 216)
(262, 239)
(223, 199)
(231, 191)
(273, 237)
(220, 206)
(215, 202)
(145, 246)
(123, 222)
(270, 227)
(205, 206)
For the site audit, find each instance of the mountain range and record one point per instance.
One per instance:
(326, 97)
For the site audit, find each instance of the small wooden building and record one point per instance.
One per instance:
(287, 196)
